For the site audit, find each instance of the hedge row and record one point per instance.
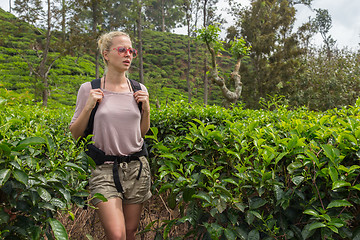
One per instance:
(42, 171)
(230, 173)
(244, 174)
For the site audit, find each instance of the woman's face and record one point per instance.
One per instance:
(120, 54)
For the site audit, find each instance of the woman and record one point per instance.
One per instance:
(119, 128)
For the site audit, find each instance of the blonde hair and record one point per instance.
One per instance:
(105, 41)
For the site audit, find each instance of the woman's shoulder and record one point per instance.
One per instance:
(84, 89)
(86, 85)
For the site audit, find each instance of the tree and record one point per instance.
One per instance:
(327, 84)
(163, 15)
(29, 10)
(139, 30)
(267, 25)
(42, 69)
(206, 82)
(209, 17)
(196, 9)
(191, 9)
(239, 50)
(61, 12)
(187, 6)
(91, 18)
(96, 16)
(323, 24)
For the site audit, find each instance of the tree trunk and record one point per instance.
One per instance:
(205, 63)
(231, 97)
(45, 93)
(139, 28)
(188, 17)
(206, 82)
(97, 65)
(63, 20)
(94, 8)
(42, 70)
(43, 73)
(163, 15)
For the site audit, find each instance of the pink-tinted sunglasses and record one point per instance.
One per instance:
(132, 51)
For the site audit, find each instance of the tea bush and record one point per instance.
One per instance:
(229, 173)
(42, 171)
(264, 174)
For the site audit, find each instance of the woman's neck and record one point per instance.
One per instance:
(115, 78)
(115, 82)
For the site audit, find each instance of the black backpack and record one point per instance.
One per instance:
(96, 84)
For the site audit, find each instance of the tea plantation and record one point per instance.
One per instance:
(165, 65)
(230, 174)
(273, 173)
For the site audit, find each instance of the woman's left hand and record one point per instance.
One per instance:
(143, 97)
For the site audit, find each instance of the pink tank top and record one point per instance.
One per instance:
(116, 123)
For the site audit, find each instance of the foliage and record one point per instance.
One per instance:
(65, 76)
(246, 174)
(210, 35)
(323, 24)
(30, 10)
(163, 15)
(275, 53)
(42, 170)
(164, 65)
(240, 173)
(258, 174)
(327, 83)
(239, 49)
(15, 33)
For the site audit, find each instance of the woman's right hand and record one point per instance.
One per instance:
(96, 95)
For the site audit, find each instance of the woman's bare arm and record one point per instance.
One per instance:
(143, 97)
(78, 127)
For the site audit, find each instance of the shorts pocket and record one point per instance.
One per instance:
(137, 190)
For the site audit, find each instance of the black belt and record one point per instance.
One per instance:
(99, 158)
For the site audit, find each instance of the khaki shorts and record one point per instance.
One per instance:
(135, 191)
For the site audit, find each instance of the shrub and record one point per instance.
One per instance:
(245, 174)
(42, 171)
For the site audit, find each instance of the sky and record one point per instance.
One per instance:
(345, 20)
(344, 13)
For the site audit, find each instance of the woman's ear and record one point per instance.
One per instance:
(106, 57)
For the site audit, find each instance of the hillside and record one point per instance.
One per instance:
(165, 65)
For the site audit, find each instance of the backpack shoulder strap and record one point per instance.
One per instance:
(96, 83)
(136, 87)
(90, 127)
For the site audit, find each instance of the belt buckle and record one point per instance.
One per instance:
(124, 165)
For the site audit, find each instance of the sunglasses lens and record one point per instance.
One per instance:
(122, 50)
(133, 52)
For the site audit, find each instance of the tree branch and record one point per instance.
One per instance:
(31, 68)
(230, 96)
(51, 64)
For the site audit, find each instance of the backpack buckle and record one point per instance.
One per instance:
(124, 165)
